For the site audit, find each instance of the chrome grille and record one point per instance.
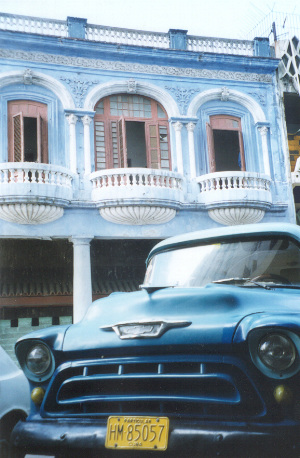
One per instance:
(182, 386)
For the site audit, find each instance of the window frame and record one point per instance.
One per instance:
(221, 122)
(30, 109)
(108, 119)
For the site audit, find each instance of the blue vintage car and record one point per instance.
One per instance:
(202, 361)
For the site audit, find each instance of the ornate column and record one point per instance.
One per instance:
(190, 128)
(86, 120)
(263, 130)
(72, 120)
(82, 277)
(178, 126)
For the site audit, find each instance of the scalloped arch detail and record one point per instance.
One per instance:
(235, 96)
(42, 80)
(30, 213)
(137, 215)
(232, 216)
(142, 88)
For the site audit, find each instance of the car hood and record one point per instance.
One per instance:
(211, 315)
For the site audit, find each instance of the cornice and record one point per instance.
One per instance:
(118, 66)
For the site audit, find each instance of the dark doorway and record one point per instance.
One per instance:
(30, 139)
(227, 150)
(136, 144)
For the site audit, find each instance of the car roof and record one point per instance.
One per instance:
(228, 232)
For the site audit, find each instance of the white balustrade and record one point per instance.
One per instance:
(43, 174)
(135, 177)
(30, 24)
(135, 183)
(127, 36)
(116, 35)
(220, 45)
(234, 186)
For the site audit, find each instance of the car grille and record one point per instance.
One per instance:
(183, 386)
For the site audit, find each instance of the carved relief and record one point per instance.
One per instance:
(79, 89)
(260, 97)
(183, 96)
(131, 86)
(133, 68)
(27, 77)
(224, 94)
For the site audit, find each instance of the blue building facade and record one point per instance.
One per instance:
(112, 139)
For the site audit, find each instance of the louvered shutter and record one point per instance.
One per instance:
(18, 136)
(122, 142)
(211, 148)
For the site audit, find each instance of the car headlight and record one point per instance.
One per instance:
(38, 359)
(277, 352)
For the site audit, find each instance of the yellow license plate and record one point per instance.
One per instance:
(135, 433)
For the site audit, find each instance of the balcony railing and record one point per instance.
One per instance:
(31, 182)
(117, 185)
(123, 36)
(234, 187)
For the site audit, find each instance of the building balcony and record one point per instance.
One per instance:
(137, 196)
(32, 193)
(235, 197)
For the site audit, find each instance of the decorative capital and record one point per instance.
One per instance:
(263, 130)
(27, 77)
(177, 126)
(72, 119)
(81, 240)
(224, 94)
(131, 86)
(86, 120)
(191, 126)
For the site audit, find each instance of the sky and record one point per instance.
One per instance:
(217, 18)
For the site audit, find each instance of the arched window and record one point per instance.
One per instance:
(131, 131)
(27, 131)
(225, 144)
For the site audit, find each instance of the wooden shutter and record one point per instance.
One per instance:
(18, 138)
(122, 142)
(39, 138)
(211, 148)
(152, 145)
(242, 154)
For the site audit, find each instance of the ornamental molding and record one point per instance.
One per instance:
(116, 66)
(137, 215)
(131, 86)
(232, 216)
(183, 96)
(234, 96)
(30, 213)
(39, 79)
(225, 94)
(28, 77)
(79, 89)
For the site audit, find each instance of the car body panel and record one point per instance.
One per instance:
(190, 354)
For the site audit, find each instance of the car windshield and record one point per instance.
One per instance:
(271, 260)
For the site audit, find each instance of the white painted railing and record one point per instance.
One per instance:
(137, 184)
(136, 178)
(222, 188)
(30, 24)
(123, 36)
(12, 173)
(233, 180)
(127, 36)
(220, 45)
